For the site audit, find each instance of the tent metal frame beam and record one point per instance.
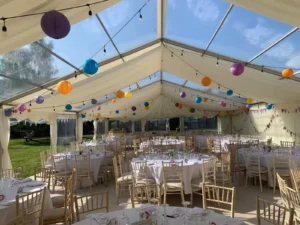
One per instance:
(184, 83)
(218, 28)
(110, 38)
(160, 18)
(273, 45)
(225, 58)
(71, 75)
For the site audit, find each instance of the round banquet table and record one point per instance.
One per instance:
(192, 168)
(8, 204)
(172, 143)
(195, 216)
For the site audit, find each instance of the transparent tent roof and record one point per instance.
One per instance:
(243, 35)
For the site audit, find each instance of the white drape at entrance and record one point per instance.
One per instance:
(53, 134)
(95, 123)
(106, 126)
(181, 124)
(143, 124)
(4, 140)
(79, 128)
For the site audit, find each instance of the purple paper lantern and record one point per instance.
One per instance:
(182, 94)
(176, 104)
(192, 110)
(8, 113)
(39, 100)
(237, 69)
(94, 101)
(22, 108)
(133, 108)
(55, 24)
(98, 108)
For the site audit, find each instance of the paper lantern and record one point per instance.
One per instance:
(245, 110)
(146, 107)
(55, 24)
(269, 106)
(133, 113)
(237, 69)
(117, 111)
(192, 110)
(113, 100)
(10, 110)
(176, 104)
(22, 108)
(15, 111)
(7, 113)
(119, 94)
(249, 100)
(198, 99)
(128, 94)
(90, 67)
(223, 104)
(287, 73)
(182, 94)
(39, 100)
(248, 106)
(98, 114)
(68, 107)
(205, 99)
(179, 106)
(83, 116)
(146, 104)
(229, 92)
(94, 101)
(64, 87)
(133, 108)
(29, 110)
(98, 108)
(206, 81)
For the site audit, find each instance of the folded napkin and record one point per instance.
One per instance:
(101, 218)
(25, 180)
(34, 183)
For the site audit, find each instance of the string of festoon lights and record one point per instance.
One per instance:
(57, 26)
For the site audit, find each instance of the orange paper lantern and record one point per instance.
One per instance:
(179, 106)
(287, 73)
(245, 109)
(113, 100)
(64, 87)
(205, 99)
(146, 107)
(29, 110)
(98, 114)
(119, 94)
(206, 81)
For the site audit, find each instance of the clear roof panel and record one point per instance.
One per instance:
(245, 33)
(85, 40)
(137, 32)
(195, 86)
(150, 79)
(194, 21)
(9, 88)
(173, 79)
(283, 55)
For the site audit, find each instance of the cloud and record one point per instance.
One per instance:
(294, 62)
(205, 10)
(172, 3)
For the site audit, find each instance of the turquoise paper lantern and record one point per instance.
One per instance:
(117, 111)
(198, 99)
(83, 116)
(90, 66)
(230, 92)
(146, 104)
(68, 107)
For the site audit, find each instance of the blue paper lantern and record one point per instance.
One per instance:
(117, 111)
(10, 110)
(83, 116)
(68, 107)
(230, 92)
(269, 106)
(39, 100)
(7, 113)
(198, 99)
(182, 94)
(90, 66)
(146, 104)
(94, 101)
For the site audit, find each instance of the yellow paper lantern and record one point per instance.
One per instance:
(128, 94)
(119, 94)
(287, 73)
(146, 107)
(222, 113)
(249, 100)
(113, 100)
(98, 114)
(64, 87)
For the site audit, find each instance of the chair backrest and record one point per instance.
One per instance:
(252, 160)
(121, 163)
(59, 163)
(295, 177)
(30, 206)
(153, 191)
(287, 143)
(12, 173)
(116, 168)
(138, 194)
(91, 202)
(296, 208)
(273, 213)
(139, 171)
(281, 160)
(217, 148)
(16, 221)
(172, 172)
(283, 190)
(209, 170)
(219, 198)
(83, 164)
(43, 174)
(293, 196)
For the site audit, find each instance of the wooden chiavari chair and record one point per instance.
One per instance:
(106, 170)
(292, 196)
(295, 176)
(219, 198)
(223, 175)
(172, 179)
(61, 172)
(296, 208)
(30, 207)
(140, 173)
(91, 203)
(16, 221)
(84, 170)
(273, 213)
(281, 165)
(12, 173)
(217, 147)
(283, 191)
(138, 194)
(288, 144)
(43, 174)
(236, 166)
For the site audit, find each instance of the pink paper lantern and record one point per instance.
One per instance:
(98, 108)
(22, 108)
(237, 69)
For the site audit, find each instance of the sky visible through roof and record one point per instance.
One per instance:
(243, 35)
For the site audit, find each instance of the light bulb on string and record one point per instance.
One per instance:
(129, 87)
(182, 53)
(196, 72)
(262, 69)
(217, 63)
(219, 86)
(4, 28)
(90, 11)
(106, 96)
(150, 77)
(75, 74)
(141, 17)
(54, 108)
(104, 50)
(83, 104)
(172, 54)
(30, 103)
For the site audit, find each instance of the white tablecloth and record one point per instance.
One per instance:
(173, 143)
(134, 216)
(8, 206)
(191, 169)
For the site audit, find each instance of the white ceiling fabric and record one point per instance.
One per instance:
(283, 10)
(21, 31)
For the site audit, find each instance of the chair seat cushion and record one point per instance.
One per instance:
(255, 169)
(283, 171)
(197, 182)
(54, 214)
(58, 200)
(125, 178)
(145, 180)
(173, 185)
(61, 174)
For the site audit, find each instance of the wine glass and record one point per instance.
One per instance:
(185, 204)
(124, 216)
(165, 220)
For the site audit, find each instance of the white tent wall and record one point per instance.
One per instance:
(79, 128)
(53, 134)
(4, 140)
(95, 124)
(224, 125)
